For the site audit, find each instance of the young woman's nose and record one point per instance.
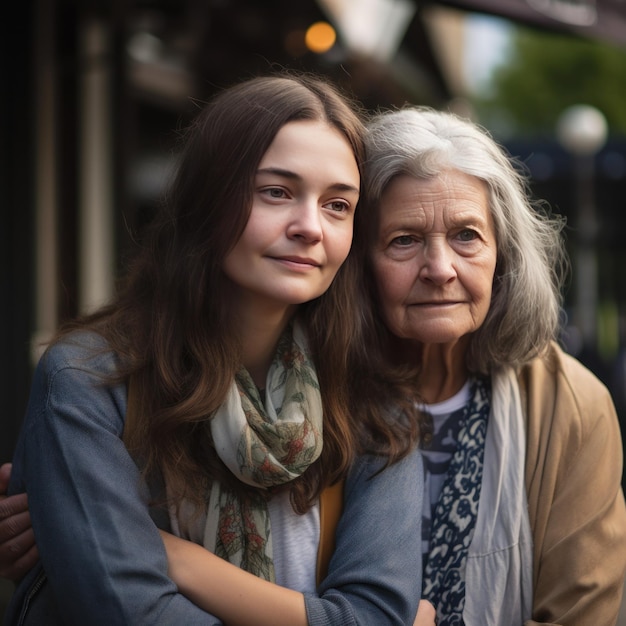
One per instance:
(306, 221)
(437, 263)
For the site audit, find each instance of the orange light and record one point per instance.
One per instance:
(320, 37)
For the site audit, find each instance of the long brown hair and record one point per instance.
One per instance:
(170, 323)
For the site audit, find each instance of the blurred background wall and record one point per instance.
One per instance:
(94, 93)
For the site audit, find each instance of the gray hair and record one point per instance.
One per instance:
(526, 301)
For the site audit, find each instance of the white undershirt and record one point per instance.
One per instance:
(458, 400)
(295, 539)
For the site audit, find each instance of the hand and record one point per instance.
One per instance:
(426, 614)
(18, 551)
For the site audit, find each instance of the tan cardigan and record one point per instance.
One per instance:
(575, 501)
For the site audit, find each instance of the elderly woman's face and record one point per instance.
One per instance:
(435, 257)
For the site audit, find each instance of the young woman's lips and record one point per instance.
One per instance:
(297, 262)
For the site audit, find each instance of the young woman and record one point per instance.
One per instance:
(242, 283)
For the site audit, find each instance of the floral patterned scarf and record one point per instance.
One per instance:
(264, 445)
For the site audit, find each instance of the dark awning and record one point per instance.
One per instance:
(600, 19)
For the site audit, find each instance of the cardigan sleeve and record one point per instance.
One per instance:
(101, 552)
(576, 504)
(375, 574)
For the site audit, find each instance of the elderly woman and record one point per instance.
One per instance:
(524, 517)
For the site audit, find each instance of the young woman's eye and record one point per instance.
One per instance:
(338, 205)
(275, 192)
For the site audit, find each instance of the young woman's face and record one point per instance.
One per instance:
(435, 257)
(300, 228)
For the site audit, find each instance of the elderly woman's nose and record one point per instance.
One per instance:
(438, 263)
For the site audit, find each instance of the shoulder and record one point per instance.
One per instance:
(560, 373)
(84, 351)
(559, 392)
(76, 376)
(556, 362)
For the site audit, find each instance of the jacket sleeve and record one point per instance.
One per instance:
(576, 504)
(102, 554)
(375, 573)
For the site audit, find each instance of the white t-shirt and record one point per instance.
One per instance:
(295, 539)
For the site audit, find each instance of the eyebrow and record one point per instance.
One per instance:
(277, 171)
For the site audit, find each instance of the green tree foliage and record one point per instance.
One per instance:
(545, 73)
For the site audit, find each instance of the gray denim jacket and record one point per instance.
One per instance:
(102, 559)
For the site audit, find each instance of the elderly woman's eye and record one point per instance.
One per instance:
(403, 240)
(468, 235)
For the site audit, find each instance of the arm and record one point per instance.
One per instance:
(426, 614)
(102, 554)
(18, 552)
(232, 593)
(374, 576)
(576, 504)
